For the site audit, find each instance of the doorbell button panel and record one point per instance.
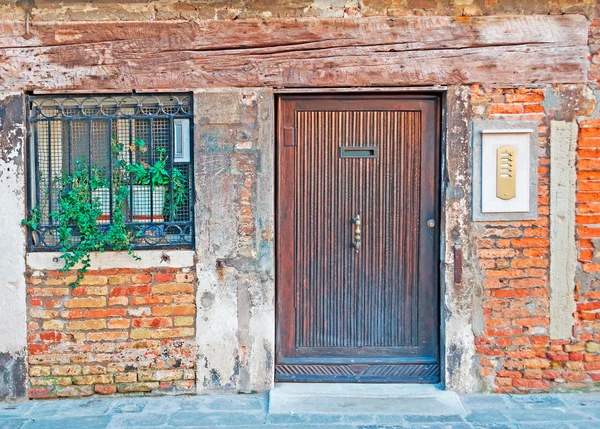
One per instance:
(504, 170)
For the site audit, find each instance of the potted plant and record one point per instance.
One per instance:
(154, 180)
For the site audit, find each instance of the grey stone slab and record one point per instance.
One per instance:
(391, 419)
(489, 425)
(46, 408)
(95, 422)
(303, 419)
(593, 411)
(15, 408)
(544, 401)
(383, 427)
(141, 420)
(363, 399)
(84, 407)
(544, 425)
(237, 402)
(190, 419)
(486, 416)
(163, 405)
(586, 425)
(290, 419)
(434, 419)
(472, 402)
(13, 422)
(455, 425)
(129, 405)
(543, 415)
(359, 419)
(582, 400)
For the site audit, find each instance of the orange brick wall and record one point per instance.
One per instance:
(120, 331)
(516, 354)
(587, 328)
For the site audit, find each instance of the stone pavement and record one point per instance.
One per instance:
(556, 411)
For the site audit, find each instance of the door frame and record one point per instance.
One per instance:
(441, 121)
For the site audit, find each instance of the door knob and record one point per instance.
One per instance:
(431, 223)
(357, 232)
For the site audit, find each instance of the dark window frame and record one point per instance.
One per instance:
(110, 112)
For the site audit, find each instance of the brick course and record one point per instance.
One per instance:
(120, 331)
(515, 351)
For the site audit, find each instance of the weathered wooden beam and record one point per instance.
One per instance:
(512, 50)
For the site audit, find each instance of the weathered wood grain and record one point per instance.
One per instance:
(295, 53)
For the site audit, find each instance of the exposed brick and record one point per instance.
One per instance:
(103, 313)
(92, 379)
(173, 333)
(530, 384)
(86, 302)
(99, 339)
(137, 387)
(147, 300)
(163, 277)
(119, 323)
(183, 321)
(105, 390)
(86, 325)
(128, 377)
(141, 278)
(48, 291)
(129, 290)
(154, 322)
(180, 310)
(173, 288)
(506, 109)
(93, 280)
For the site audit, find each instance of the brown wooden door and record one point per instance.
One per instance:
(372, 314)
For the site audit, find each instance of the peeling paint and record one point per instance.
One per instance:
(13, 317)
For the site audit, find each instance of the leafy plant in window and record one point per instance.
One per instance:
(154, 180)
(77, 215)
(180, 194)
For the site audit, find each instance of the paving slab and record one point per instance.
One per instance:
(407, 399)
(555, 411)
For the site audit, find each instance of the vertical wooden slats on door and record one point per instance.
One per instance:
(371, 314)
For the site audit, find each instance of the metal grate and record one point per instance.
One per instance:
(126, 138)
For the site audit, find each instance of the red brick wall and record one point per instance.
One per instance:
(120, 331)
(516, 354)
(587, 327)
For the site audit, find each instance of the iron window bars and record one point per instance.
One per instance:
(107, 133)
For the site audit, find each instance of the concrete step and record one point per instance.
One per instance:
(329, 398)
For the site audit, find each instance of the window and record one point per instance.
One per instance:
(135, 148)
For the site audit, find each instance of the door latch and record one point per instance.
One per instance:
(357, 232)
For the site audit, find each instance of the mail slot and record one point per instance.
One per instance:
(358, 152)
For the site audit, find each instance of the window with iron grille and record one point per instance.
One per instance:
(136, 146)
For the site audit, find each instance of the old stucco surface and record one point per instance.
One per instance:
(13, 330)
(461, 306)
(234, 239)
(563, 248)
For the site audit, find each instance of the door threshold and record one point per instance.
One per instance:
(344, 398)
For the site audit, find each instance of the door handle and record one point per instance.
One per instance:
(357, 232)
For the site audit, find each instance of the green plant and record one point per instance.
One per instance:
(158, 174)
(180, 194)
(79, 232)
(34, 220)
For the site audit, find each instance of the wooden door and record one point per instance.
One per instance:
(348, 313)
